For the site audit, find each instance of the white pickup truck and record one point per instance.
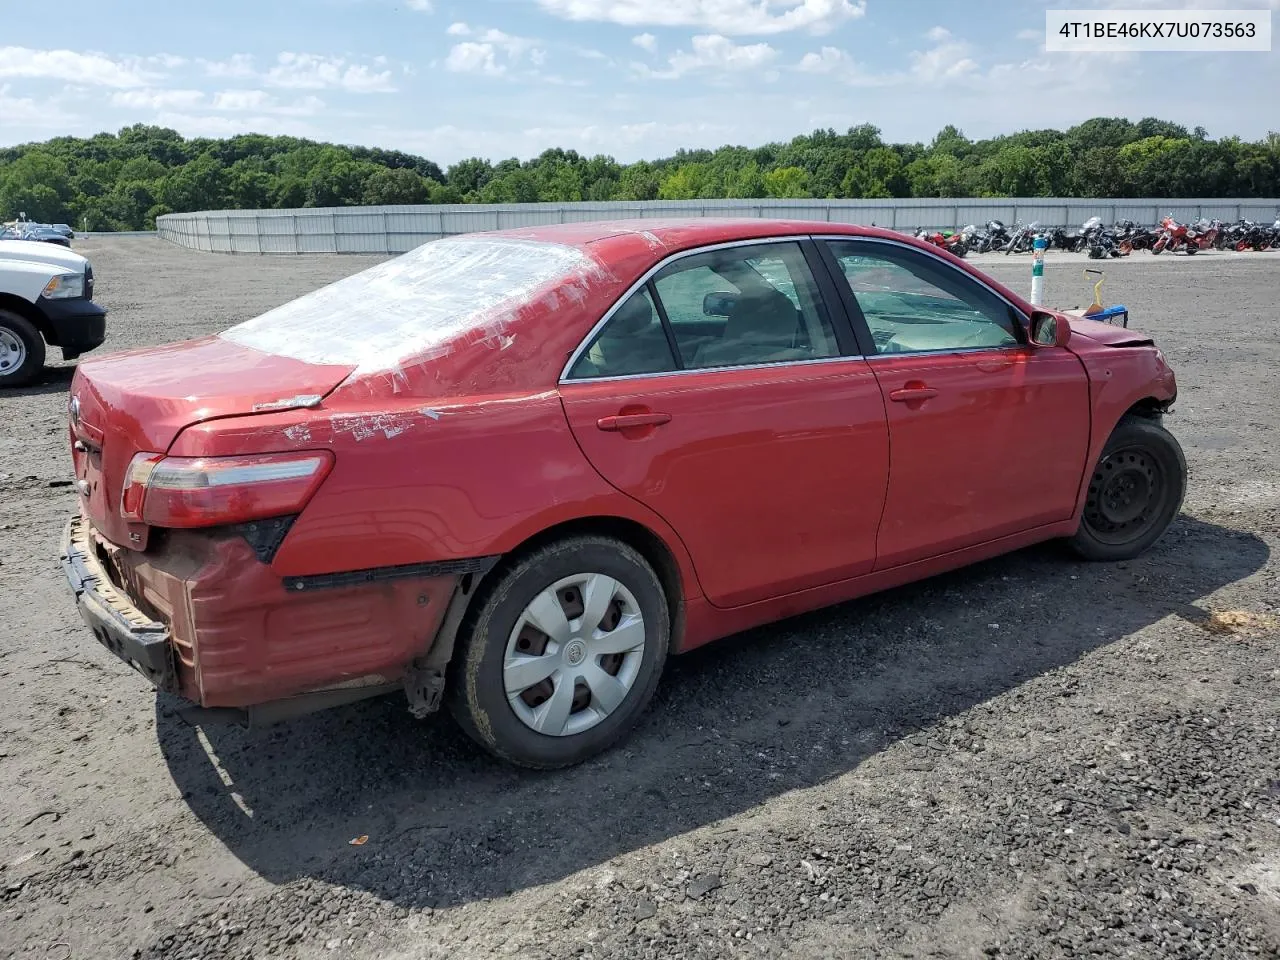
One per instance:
(46, 297)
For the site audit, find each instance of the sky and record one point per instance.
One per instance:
(635, 79)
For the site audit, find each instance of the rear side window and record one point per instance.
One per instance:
(632, 342)
(745, 305)
(737, 306)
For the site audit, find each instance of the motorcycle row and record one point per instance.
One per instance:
(1101, 242)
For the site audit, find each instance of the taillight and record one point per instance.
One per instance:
(212, 491)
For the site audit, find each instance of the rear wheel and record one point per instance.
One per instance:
(1135, 492)
(562, 653)
(21, 350)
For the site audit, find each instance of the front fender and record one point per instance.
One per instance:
(1120, 378)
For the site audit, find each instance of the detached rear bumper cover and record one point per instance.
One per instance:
(118, 625)
(229, 632)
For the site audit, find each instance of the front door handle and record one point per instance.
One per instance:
(914, 391)
(624, 421)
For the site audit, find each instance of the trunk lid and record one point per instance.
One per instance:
(139, 401)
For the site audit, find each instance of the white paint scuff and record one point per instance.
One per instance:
(363, 426)
(288, 403)
(406, 307)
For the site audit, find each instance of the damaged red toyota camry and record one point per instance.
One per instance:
(512, 472)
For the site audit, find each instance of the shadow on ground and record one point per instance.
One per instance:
(51, 380)
(734, 724)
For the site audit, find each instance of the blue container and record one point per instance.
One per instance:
(1117, 316)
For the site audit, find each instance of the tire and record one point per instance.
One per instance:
(1157, 248)
(21, 350)
(499, 628)
(960, 249)
(1141, 469)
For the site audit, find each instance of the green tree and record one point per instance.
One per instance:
(401, 185)
(787, 183)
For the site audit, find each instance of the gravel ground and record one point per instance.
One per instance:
(1034, 757)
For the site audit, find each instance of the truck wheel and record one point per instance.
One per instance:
(21, 350)
(561, 653)
(1135, 492)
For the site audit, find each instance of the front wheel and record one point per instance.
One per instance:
(1135, 492)
(561, 653)
(21, 350)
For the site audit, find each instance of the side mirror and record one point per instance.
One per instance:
(719, 304)
(1049, 330)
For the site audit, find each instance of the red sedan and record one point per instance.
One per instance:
(513, 471)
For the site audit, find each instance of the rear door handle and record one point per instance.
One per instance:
(913, 391)
(624, 420)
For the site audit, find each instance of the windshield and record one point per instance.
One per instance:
(407, 306)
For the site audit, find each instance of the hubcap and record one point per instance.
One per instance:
(13, 352)
(574, 654)
(1125, 496)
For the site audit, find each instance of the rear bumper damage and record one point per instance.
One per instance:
(201, 616)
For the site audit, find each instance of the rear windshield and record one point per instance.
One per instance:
(405, 307)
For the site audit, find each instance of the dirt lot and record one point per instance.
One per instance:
(1035, 757)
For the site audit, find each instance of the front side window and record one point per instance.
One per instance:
(745, 305)
(913, 304)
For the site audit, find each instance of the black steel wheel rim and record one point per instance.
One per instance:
(1127, 496)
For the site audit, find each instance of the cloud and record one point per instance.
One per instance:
(242, 101)
(711, 52)
(458, 30)
(492, 52)
(239, 66)
(422, 6)
(309, 71)
(167, 60)
(646, 41)
(24, 111)
(732, 17)
(837, 64)
(474, 58)
(95, 69)
(156, 99)
(228, 125)
(948, 60)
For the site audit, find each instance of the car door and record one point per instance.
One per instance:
(719, 393)
(989, 435)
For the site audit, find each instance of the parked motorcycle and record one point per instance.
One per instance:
(1023, 238)
(994, 238)
(1100, 242)
(954, 243)
(1130, 236)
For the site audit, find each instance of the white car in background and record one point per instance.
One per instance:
(46, 297)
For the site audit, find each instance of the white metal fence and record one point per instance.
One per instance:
(401, 228)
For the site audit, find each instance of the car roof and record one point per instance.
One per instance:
(678, 233)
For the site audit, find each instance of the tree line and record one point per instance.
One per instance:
(123, 181)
